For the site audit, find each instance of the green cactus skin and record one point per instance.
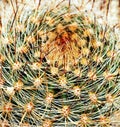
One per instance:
(58, 69)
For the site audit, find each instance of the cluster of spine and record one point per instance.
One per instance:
(58, 69)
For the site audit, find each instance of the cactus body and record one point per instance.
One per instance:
(58, 69)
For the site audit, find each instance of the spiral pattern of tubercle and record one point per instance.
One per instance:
(58, 69)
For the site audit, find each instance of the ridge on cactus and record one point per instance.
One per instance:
(58, 68)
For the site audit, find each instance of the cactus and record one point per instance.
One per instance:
(58, 69)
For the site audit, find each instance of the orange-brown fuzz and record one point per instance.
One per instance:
(22, 49)
(104, 120)
(29, 107)
(25, 124)
(1, 58)
(84, 119)
(47, 123)
(7, 108)
(38, 81)
(62, 80)
(16, 66)
(93, 97)
(36, 66)
(109, 98)
(2, 81)
(65, 111)
(92, 75)
(4, 123)
(54, 70)
(78, 72)
(49, 98)
(18, 85)
(76, 91)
